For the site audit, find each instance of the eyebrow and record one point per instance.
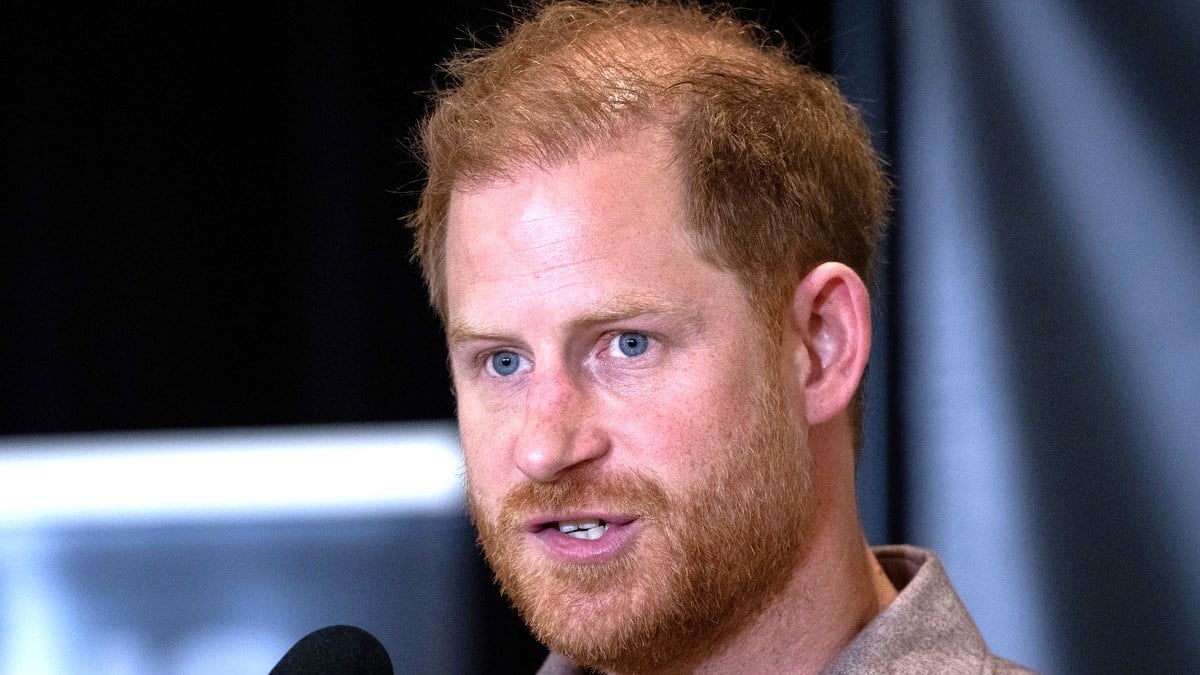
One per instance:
(619, 309)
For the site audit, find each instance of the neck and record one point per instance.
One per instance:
(837, 588)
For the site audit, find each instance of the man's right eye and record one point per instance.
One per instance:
(504, 363)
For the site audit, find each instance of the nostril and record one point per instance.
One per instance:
(552, 444)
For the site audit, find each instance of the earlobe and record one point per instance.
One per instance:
(831, 314)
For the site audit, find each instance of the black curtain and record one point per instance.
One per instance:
(201, 219)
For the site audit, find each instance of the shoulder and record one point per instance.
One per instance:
(925, 629)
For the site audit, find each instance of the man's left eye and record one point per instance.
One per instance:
(629, 344)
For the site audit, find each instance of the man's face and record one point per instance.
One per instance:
(636, 465)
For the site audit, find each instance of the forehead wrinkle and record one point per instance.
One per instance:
(541, 259)
(524, 237)
(542, 280)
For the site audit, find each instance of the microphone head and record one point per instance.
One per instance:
(335, 650)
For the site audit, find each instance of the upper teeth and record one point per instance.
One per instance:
(583, 529)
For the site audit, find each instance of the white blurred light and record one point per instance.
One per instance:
(325, 471)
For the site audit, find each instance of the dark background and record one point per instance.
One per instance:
(202, 213)
(201, 219)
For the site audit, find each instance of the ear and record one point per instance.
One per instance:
(831, 316)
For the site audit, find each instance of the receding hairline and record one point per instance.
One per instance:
(631, 135)
(687, 68)
(643, 68)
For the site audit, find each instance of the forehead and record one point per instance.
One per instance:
(613, 181)
(589, 227)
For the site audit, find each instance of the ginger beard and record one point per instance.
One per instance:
(705, 563)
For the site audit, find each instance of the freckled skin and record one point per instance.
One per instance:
(524, 259)
(552, 267)
(731, 449)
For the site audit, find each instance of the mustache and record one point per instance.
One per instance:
(633, 494)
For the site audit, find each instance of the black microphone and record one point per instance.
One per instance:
(335, 650)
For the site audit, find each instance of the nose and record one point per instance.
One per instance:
(560, 429)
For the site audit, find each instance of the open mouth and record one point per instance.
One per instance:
(589, 528)
(584, 538)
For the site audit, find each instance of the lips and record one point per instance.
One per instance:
(590, 537)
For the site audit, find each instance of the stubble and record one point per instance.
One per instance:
(703, 565)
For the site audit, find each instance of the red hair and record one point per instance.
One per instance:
(779, 170)
(778, 167)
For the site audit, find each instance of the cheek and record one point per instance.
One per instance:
(685, 431)
(485, 480)
(486, 456)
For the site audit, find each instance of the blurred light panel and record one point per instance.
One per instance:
(220, 474)
(185, 552)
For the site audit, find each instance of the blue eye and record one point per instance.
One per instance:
(505, 363)
(633, 344)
